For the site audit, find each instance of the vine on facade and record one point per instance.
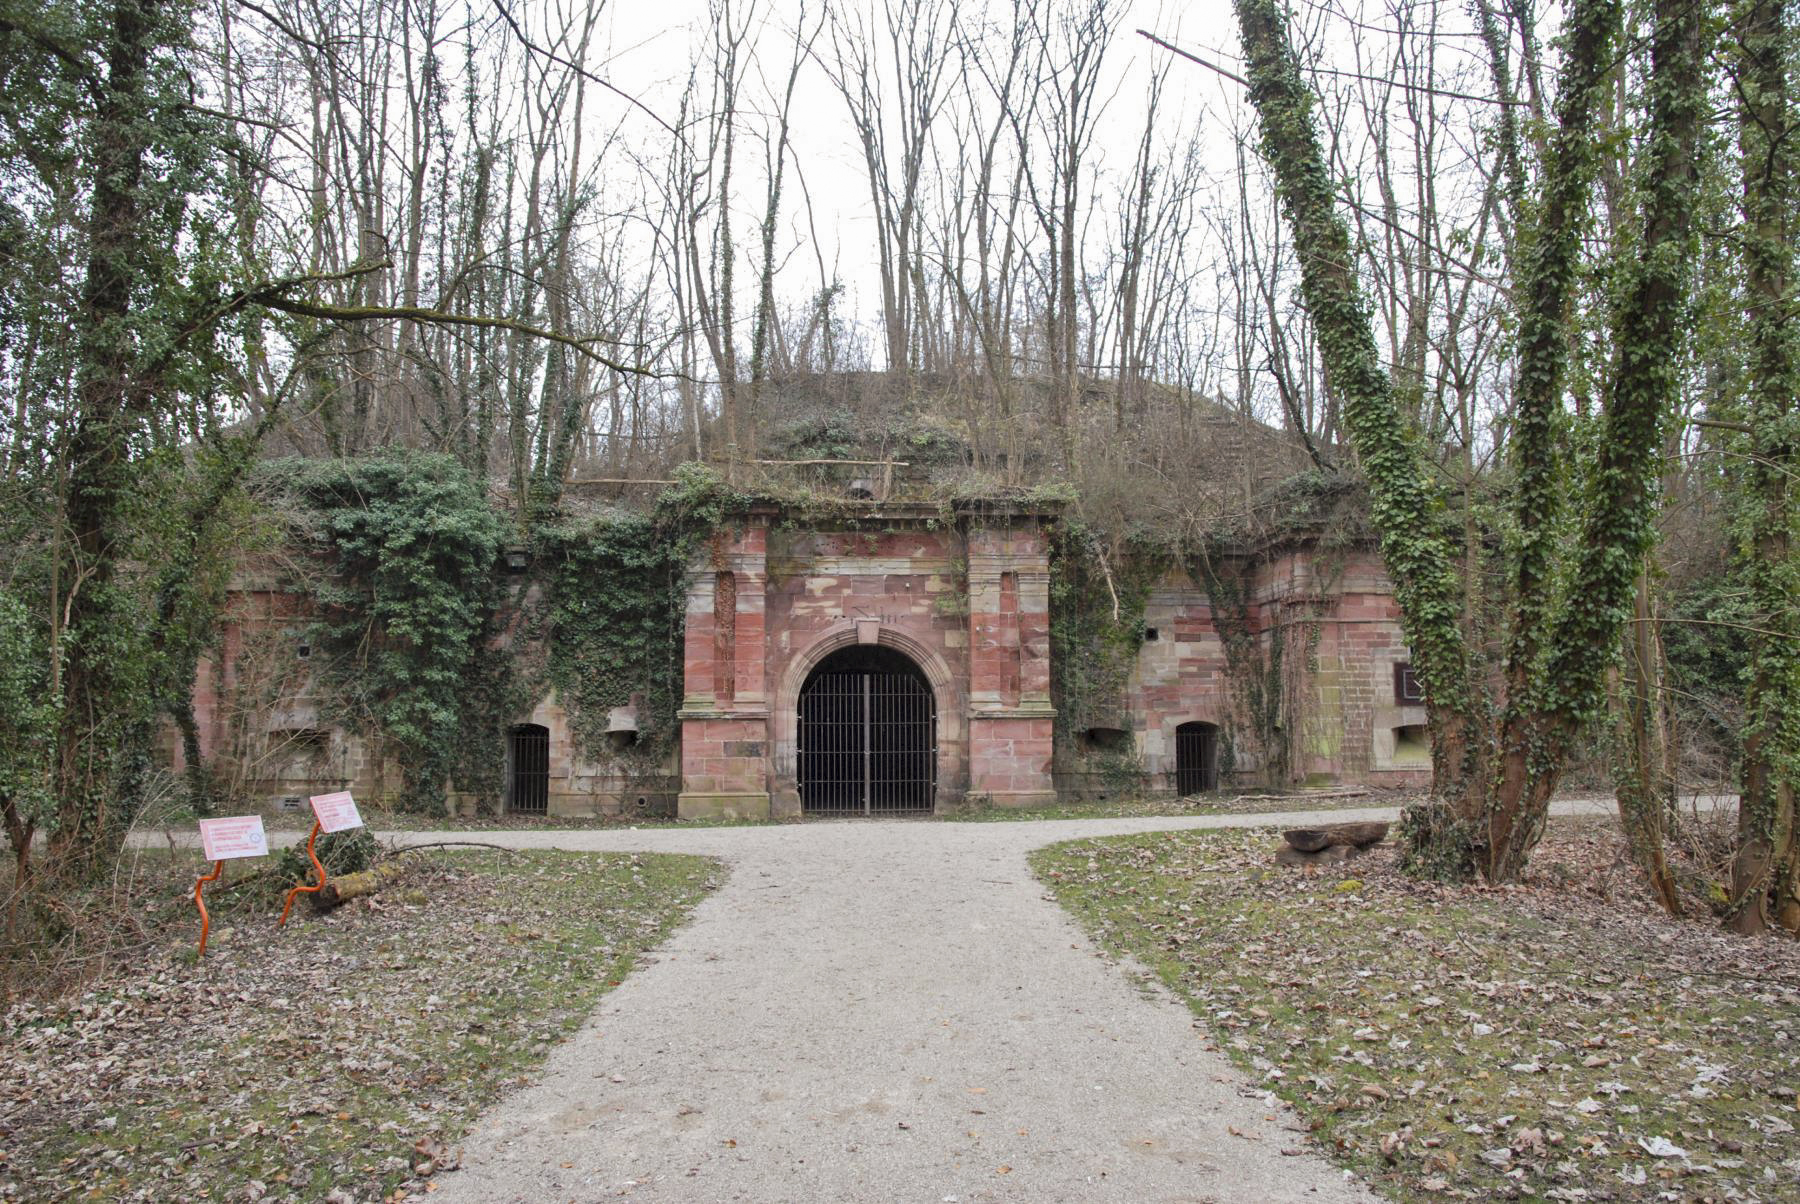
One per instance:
(405, 550)
(424, 643)
(1097, 604)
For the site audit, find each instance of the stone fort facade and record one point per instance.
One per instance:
(899, 661)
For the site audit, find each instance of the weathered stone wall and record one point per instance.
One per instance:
(274, 740)
(902, 586)
(1328, 638)
(724, 710)
(259, 718)
(1342, 627)
(1181, 677)
(1011, 723)
(967, 602)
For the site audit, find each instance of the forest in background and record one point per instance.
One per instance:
(329, 228)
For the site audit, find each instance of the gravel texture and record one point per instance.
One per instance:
(886, 1011)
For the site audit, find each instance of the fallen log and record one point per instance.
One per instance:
(1359, 835)
(339, 891)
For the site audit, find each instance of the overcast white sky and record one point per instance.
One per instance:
(652, 45)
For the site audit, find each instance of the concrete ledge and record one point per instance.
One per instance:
(1015, 799)
(722, 806)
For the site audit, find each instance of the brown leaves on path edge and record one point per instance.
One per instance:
(1535, 1042)
(339, 1059)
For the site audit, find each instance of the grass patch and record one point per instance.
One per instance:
(1545, 1042)
(346, 1053)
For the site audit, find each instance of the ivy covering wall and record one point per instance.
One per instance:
(616, 613)
(403, 551)
(431, 644)
(428, 644)
(1096, 628)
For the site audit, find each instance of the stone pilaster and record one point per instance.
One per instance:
(724, 711)
(1011, 723)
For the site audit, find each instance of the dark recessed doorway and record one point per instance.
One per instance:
(1196, 758)
(868, 735)
(528, 788)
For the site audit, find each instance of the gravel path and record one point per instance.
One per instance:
(884, 1011)
(888, 1011)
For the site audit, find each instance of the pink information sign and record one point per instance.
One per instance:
(233, 836)
(336, 812)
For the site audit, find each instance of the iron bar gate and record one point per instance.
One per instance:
(530, 758)
(868, 743)
(1196, 758)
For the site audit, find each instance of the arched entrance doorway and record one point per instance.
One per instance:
(867, 735)
(1196, 758)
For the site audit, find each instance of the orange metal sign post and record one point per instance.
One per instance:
(223, 839)
(304, 889)
(331, 813)
(206, 920)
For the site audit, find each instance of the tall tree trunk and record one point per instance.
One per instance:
(1764, 890)
(1641, 752)
(98, 724)
(1546, 273)
(1420, 555)
(1620, 498)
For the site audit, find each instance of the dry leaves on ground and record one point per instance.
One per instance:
(1542, 1042)
(340, 1058)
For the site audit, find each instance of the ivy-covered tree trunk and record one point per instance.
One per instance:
(106, 715)
(1417, 542)
(1548, 268)
(1618, 522)
(1493, 787)
(1764, 887)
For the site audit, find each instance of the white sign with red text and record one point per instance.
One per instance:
(234, 836)
(336, 812)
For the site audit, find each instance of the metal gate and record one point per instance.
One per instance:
(1196, 758)
(868, 737)
(529, 789)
